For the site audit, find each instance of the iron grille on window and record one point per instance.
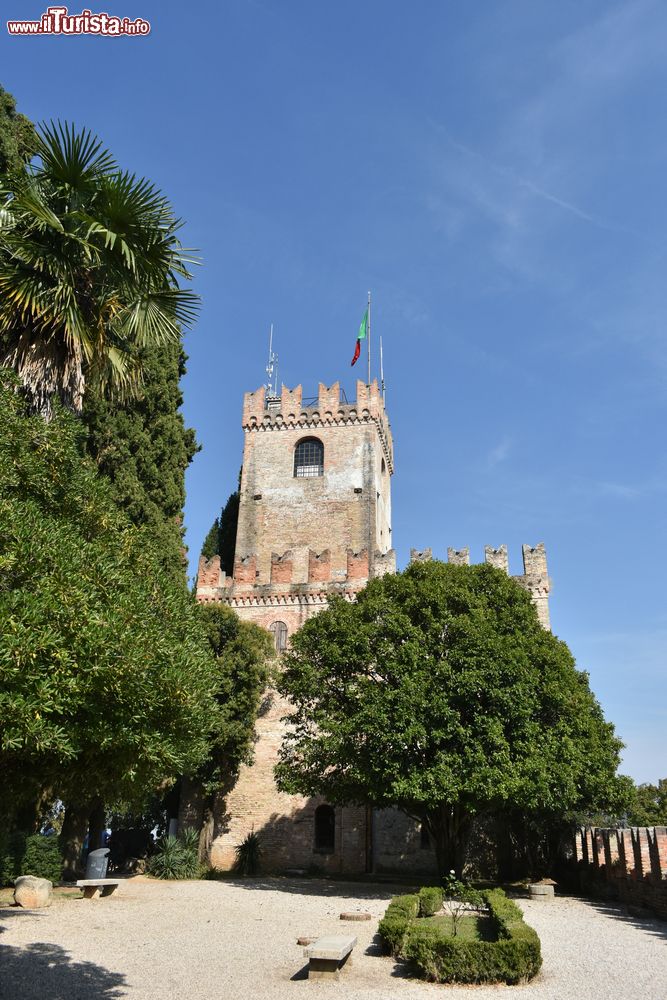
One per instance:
(309, 458)
(279, 632)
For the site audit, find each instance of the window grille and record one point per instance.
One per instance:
(309, 458)
(325, 829)
(279, 632)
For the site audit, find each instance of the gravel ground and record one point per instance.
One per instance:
(237, 939)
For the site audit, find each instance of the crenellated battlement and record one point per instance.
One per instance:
(535, 577)
(328, 408)
(299, 567)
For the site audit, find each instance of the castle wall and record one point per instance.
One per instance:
(627, 864)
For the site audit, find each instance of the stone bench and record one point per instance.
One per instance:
(328, 955)
(94, 886)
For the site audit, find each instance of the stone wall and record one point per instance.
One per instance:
(626, 864)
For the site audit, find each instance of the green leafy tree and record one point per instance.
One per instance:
(144, 448)
(438, 692)
(18, 138)
(90, 271)
(106, 677)
(242, 651)
(648, 804)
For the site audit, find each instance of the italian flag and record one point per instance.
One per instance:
(363, 330)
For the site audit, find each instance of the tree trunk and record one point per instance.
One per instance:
(96, 824)
(450, 826)
(75, 826)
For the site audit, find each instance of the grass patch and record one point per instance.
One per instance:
(476, 927)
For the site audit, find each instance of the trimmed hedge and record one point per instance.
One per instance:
(514, 957)
(29, 855)
(430, 900)
(393, 927)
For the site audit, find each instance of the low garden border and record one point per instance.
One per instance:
(514, 956)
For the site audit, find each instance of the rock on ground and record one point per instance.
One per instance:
(31, 892)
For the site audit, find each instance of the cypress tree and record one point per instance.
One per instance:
(143, 446)
(211, 542)
(18, 139)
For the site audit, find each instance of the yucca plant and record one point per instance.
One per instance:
(90, 266)
(176, 857)
(248, 855)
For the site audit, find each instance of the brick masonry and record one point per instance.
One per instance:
(626, 864)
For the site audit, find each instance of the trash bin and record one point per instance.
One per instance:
(96, 863)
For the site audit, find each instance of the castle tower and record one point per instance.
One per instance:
(314, 519)
(315, 506)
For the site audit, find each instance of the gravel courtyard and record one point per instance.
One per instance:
(237, 939)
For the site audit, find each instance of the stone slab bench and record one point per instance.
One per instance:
(97, 886)
(328, 955)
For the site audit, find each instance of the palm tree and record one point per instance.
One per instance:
(90, 265)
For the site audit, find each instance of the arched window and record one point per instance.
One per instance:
(309, 458)
(279, 632)
(325, 829)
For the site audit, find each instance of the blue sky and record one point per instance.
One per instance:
(496, 174)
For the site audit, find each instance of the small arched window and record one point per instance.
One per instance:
(279, 632)
(309, 458)
(325, 829)
(384, 467)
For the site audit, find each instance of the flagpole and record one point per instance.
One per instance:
(381, 371)
(369, 340)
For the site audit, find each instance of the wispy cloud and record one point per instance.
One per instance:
(499, 453)
(539, 170)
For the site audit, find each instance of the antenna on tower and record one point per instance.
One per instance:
(272, 369)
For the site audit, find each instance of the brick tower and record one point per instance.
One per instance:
(314, 519)
(315, 506)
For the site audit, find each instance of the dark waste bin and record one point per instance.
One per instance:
(96, 863)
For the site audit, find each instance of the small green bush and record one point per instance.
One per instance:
(248, 855)
(29, 855)
(430, 900)
(176, 857)
(402, 910)
(512, 958)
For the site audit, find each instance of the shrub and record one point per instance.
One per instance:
(29, 855)
(393, 927)
(440, 956)
(176, 857)
(430, 900)
(248, 855)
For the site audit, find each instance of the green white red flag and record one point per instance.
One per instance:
(363, 332)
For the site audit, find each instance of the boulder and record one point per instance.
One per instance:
(31, 892)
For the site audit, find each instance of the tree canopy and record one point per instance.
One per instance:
(438, 692)
(18, 138)
(90, 270)
(648, 804)
(106, 677)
